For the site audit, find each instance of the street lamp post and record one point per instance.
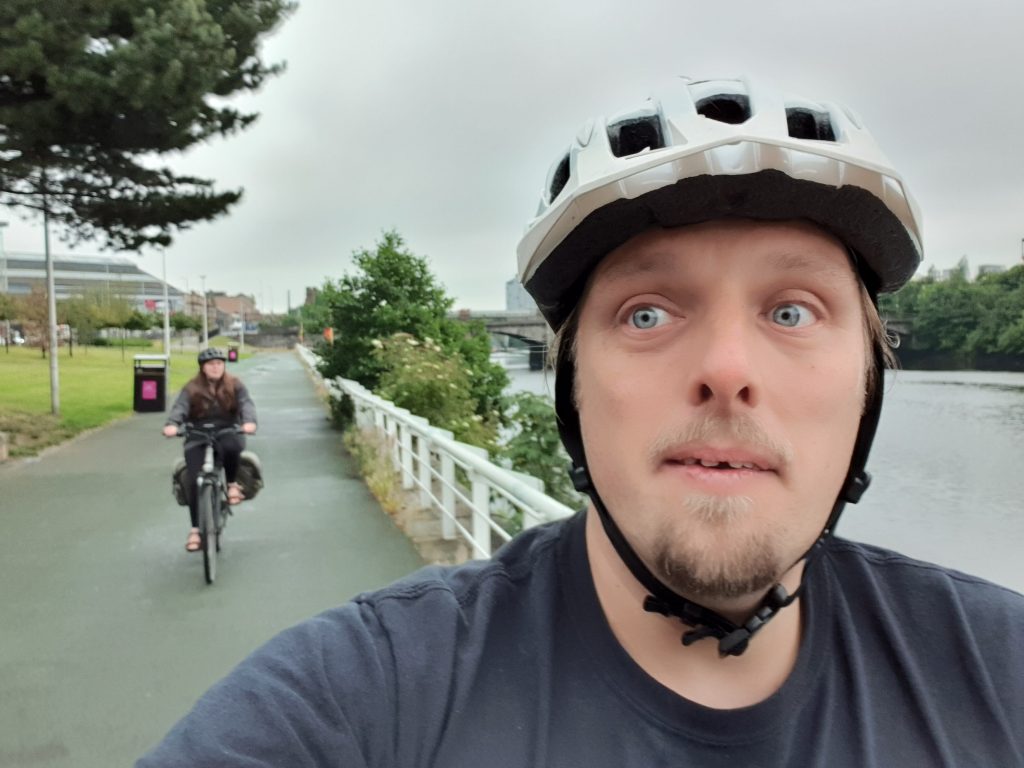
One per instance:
(3, 285)
(206, 329)
(167, 309)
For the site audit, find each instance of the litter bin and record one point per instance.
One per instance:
(150, 383)
(232, 353)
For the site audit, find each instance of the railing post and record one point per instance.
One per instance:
(405, 453)
(448, 495)
(481, 513)
(390, 427)
(530, 516)
(423, 447)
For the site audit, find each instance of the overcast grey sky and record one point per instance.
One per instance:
(440, 118)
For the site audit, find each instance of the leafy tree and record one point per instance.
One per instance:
(536, 448)
(140, 321)
(34, 311)
(180, 322)
(316, 315)
(393, 291)
(90, 92)
(949, 312)
(9, 309)
(904, 303)
(487, 380)
(82, 313)
(1011, 340)
(114, 310)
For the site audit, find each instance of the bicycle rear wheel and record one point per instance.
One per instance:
(208, 532)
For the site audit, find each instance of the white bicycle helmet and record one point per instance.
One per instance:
(694, 152)
(703, 150)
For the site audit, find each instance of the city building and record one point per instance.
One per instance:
(230, 311)
(77, 275)
(517, 299)
(991, 269)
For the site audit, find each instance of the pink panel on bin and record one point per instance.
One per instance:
(148, 389)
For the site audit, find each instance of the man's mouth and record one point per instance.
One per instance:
(721, 459)
(718, 464)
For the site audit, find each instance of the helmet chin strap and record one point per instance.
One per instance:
(733, 639)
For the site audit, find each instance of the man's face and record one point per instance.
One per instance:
(213, 369)
(720, 383)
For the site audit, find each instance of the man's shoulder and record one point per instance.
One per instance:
(918, 589)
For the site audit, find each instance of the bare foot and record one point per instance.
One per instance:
(194, 542)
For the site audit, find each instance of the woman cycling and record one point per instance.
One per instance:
(213, 396)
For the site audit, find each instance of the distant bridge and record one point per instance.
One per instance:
(524, 332)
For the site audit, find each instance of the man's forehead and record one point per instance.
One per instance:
(778, 247)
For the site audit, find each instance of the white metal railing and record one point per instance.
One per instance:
(457, 480)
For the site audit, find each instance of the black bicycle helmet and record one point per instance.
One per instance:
(212, 353)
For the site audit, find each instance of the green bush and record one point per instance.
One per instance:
(432, 383)
(343, 411)
(535, 447)
(130, 341)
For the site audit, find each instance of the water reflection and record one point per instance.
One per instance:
(947, 482)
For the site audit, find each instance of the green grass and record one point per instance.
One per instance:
(96, 386)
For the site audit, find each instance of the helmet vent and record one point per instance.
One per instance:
(732, 108)
(809, 124)
(635, 134)
(559, 178)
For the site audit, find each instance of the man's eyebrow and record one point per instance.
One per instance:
(796, 261)
(643, 263)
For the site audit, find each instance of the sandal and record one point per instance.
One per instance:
(235, 495)
(194, 541)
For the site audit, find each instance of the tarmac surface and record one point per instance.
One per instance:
(108, 632)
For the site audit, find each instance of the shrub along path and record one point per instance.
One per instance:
(108, 632)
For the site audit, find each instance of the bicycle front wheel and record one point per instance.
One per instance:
(208, 532)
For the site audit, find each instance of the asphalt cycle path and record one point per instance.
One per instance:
(108, 632)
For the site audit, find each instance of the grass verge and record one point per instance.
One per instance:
(96, 386)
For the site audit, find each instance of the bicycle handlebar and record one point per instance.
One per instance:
(209, 430)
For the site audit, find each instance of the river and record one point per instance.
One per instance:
(948, 481)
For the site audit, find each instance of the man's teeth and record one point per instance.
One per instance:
(706, 463)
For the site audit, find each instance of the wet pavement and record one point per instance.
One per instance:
(108, 632)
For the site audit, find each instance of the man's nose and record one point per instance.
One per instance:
(724, 373)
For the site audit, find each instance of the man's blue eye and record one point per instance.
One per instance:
(647, 317)
(792, 315)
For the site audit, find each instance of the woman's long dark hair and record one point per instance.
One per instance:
(199, 393)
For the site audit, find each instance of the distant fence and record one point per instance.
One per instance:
(469, 493)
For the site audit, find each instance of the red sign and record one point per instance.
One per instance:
(329, 335)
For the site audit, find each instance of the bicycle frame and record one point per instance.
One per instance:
(211, 494)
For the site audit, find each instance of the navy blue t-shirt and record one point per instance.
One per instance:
(511, 662)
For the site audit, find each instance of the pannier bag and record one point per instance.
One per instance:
(178, 479)
(250, 477)
(250, 474)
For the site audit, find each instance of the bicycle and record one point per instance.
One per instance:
(211, 488)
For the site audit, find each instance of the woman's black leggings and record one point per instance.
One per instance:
(229, 448)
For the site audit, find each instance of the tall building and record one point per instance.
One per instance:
(517, 299)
